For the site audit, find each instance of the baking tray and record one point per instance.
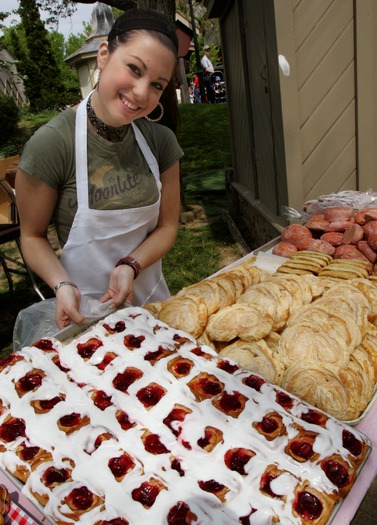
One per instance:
(338, 506)
(267, 248)
(354, 422)
(36, 511)
(75, 329)
(265, 260)
(48, 521)
(32, 508)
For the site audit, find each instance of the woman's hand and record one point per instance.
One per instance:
(120, 286)
(68, 307)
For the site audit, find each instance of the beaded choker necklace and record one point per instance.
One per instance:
(103, 130)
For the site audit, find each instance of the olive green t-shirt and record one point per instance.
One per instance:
(118, 174)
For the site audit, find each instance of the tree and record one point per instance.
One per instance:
(14, 40)
(36, 61)
(66, 7)
(62, 49)
(9, 115)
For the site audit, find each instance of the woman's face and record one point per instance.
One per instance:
(133, 78)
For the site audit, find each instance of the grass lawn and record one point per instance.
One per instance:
(204, 243)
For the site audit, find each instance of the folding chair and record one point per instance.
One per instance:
(10, 231)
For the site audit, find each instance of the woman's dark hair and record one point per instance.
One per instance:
(159, 26)
(155, 22)
(171, 112)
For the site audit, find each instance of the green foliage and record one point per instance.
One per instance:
(74, 42)
(205, 140)
(214, 58)
(9, 115)
(182, 7)
(116, 12)
(205, 134)
(36, 61)
(68, 89)
(192, 258)
(61, 50)
(30, 122)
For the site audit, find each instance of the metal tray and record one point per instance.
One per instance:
(354, 422)
(32, 508)
(73, 330)
(266, 250)
(36, 511)
(361, 466)
(39, 510)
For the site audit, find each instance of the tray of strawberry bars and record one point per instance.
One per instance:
(132, 421)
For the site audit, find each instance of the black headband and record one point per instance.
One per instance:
(130, 24)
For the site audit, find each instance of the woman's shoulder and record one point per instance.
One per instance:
(62, 121)
(162, 141)
(48, 153)
(56, 134)
(158, 136)
(60, 127)
(155, 130)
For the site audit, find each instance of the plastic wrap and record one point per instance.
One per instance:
(357, 200)
(37, 321)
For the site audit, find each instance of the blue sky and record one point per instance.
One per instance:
(66, 26)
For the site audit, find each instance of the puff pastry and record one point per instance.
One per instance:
(310, 341)
(369, 344)
(188, 313)
(227, 290)
(239, 320)
(256, 356)
(369, 290)
(207, 290)
(319, 385)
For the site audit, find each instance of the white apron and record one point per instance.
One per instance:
(99, 238)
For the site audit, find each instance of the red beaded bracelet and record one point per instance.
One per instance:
(130, 261)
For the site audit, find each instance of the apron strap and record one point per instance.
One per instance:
(81, 145)
(147, 152)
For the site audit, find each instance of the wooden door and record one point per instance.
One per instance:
(261, 61)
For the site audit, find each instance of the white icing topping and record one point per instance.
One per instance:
(90, 465)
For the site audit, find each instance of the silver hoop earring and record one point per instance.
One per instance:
(159, 117)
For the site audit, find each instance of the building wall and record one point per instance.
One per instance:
(311, 132)
(10, 82)
(319, 96)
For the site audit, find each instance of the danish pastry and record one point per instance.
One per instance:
(134, 422)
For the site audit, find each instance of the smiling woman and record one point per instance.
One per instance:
(107, 177)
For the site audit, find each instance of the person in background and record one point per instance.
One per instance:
(197, 98)
(191, 93)
(107, 176)
(207, 73)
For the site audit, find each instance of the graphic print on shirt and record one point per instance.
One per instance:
(112, 188)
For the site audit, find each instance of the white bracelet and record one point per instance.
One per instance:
(64, 283)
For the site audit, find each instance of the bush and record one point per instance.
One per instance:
(9, 116)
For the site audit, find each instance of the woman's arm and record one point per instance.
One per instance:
(36, 202)
(156, 245)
